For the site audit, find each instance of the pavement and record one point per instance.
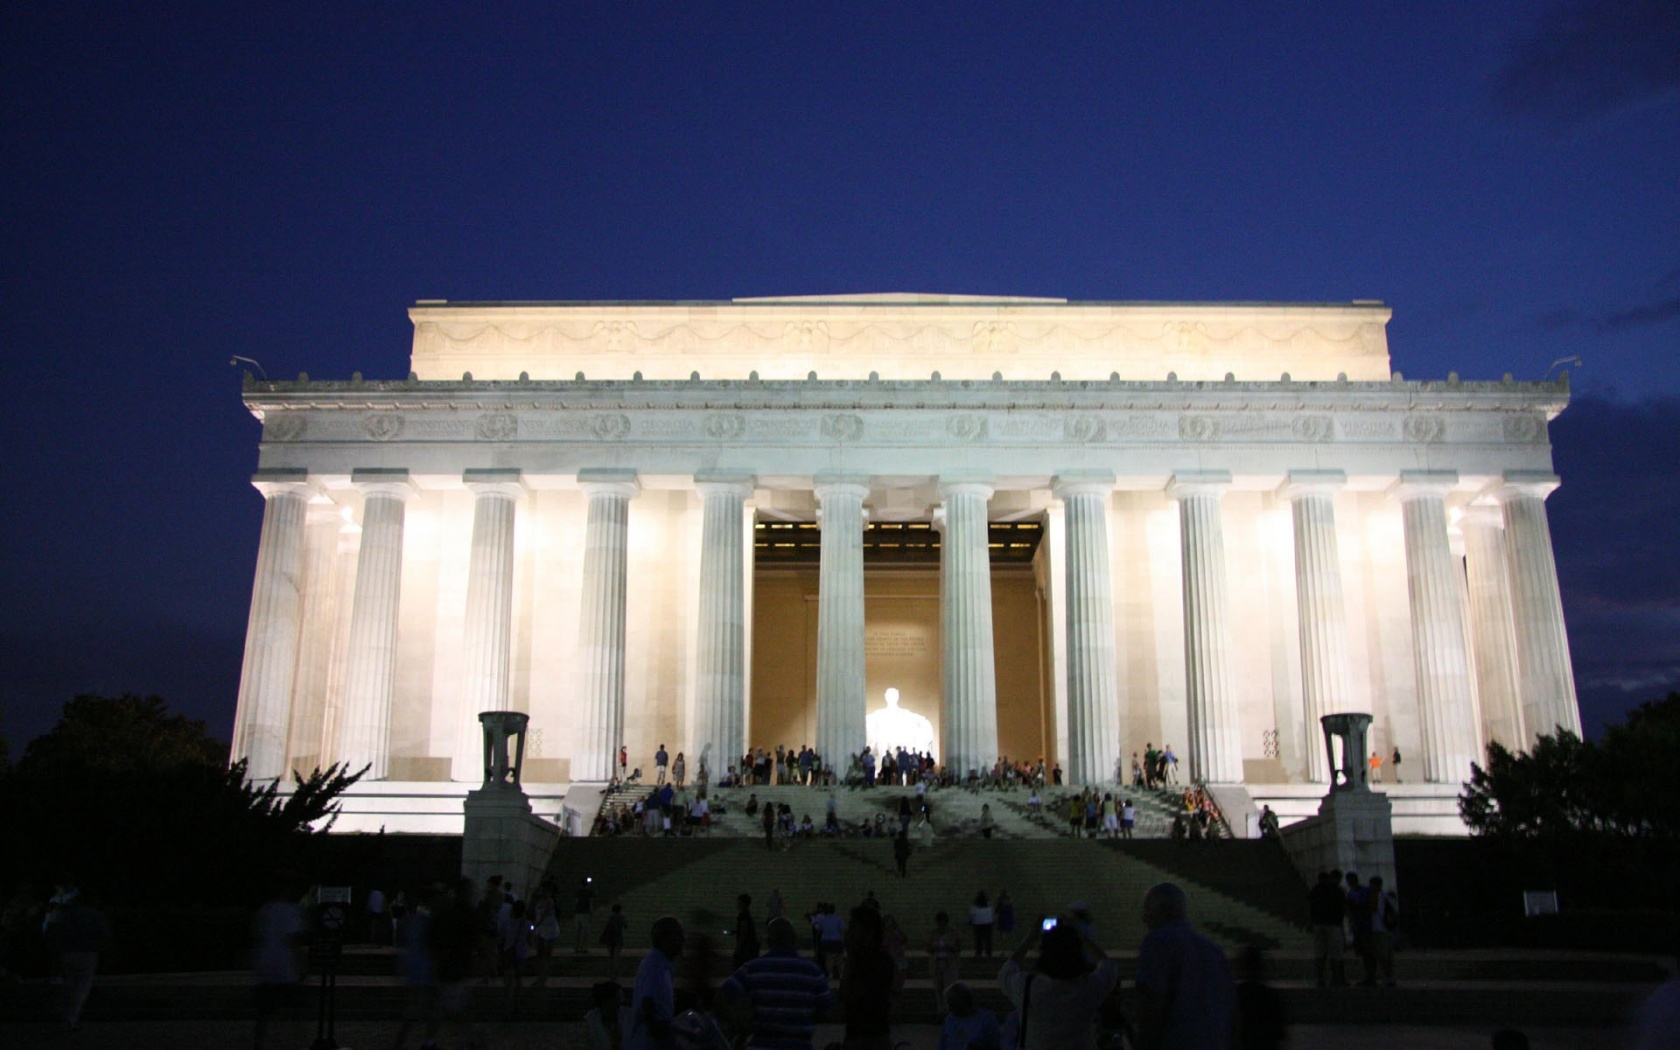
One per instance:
(362, 1035)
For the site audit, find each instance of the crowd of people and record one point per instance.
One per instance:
(1061, 988)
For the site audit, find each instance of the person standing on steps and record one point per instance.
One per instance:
(746, 932)
(943, 950)
(653, 1000)
(901, 853)
(981, 918)
(661, 763)
(582, 906)
(1187, 996)
(1059, 998)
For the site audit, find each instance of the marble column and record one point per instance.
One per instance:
(272, 632)
(601, 626)
(1446, 706)
(371, 664)
(1093, 690)
(1493, 639)
(488, 635)
(720, 732)
(1321, 611)
(1215, 733)
(971, 735)
(1543, 661)
(840, 658)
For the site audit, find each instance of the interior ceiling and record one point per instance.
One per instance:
(888, 543)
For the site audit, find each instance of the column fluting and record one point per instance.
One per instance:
(1215, 734)
(1493, 639)
(1543, 660)
(1445, 705)
(841, 731)
(273, 629)
(487, 650)
(371, 662)
(1321, 610)
(971, 735)
(602, 624)
(1093, 717)
(720, 702)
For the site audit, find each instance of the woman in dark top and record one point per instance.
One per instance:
(866, 988)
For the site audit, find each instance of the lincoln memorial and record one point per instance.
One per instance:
(1057, 529)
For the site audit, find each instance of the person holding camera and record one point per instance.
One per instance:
(1059, 998)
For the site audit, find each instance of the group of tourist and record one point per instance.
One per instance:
(1347, 914)
(1061, 986)
(1155, 769)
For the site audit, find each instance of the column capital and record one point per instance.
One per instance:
(597, 481)
(1082, 483)
(1519, 483)
(383, 481)
(724, 483)
(955, 487)
(1416, 484)
(494, 481)
(1484, 513)
(827, 485)
(1188, 484)
(284, 481)
(1301, 483)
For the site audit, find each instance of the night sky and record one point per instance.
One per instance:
(281, 181)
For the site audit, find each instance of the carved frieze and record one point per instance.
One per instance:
(285, 426)
(1198, 428)
(1524, 429)
(1424, 430)
(966, 426)
(497, 426)
(724, 426)
(383, 426)
(842, 426)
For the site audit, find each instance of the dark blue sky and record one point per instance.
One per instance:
(186, 182)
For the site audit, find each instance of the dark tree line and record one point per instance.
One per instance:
(140, 806)
(1600, 820)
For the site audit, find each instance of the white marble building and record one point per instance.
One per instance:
(1230, 520)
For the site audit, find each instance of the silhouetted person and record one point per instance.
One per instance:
(1262, 1023)
(80, 933)
(1186, 995)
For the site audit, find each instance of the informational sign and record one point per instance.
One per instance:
(1539, 902)
(332, 895)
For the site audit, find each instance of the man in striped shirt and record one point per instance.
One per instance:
(779, 994)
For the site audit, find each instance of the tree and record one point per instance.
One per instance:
(1600, 819)
(138, 803)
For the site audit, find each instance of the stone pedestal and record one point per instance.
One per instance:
(501, 836)
(1354, 828)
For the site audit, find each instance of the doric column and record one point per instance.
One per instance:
(1321, 612)
(371, 663)
(488, 647)
(840, 664)
(1215, 736)
(971, 737)
(720, 732)
(1548, 675)
(601, 627)
(271, 633)
(1493, 639)
(1445, 704)
(1093, 734)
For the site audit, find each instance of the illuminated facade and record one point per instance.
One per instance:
(1060, 529)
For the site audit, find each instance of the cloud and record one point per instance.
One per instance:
(1592, 57)
(1660, 311)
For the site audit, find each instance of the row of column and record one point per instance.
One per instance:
(1498, 635)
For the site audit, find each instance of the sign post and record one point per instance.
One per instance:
(326, 948)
